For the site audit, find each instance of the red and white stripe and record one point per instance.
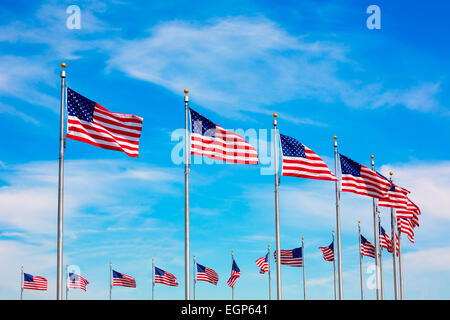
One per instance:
(369, 183)
(209, 276)
(109, 130)
(39, 283)
(409, 211)
(262, 264)
(233, 278)
(406, 226)
(367, 249)
(167, 279)
(395, 199)
(225, 146)
(80, 283)
(125, 281)
(287, 259)
(397, 246)
(311, 167)
(328, 254)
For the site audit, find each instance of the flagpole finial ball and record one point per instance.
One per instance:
(334, 137)
(391, 173)
(332, 231)
(275, 115)
(359, 221)
(186, 91)
(63, 65)
(372, 156)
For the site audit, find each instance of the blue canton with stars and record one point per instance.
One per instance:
(348, 166)
(291, 147)
(297, 253)
(201, 125)
(79, 106)
(363, 240)
(392, 185)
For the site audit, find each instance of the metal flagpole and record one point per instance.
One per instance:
(400, 267)
(304, 278)
(67, 277)
(193, 274)
(187, 255)
(277, 209)
(268, 262)
(381, 260)
(334, 266)
(232, 288)
(153, 279)
(338, 221)
(59, 264)
(394, 247)
(360, 263)
(110, 280)
(21, 283)
(375, 236)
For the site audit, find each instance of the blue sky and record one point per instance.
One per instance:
(315, 63)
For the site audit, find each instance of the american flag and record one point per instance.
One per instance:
(328, 252)
(385, 240)
(396, 197)
(123, 280)
(366, 248)
(263, 264)
(300, 161)
(408, 212)
(212, 141)
(76, 281)
(165, 277)
(397, 247)
(34, 282)
(359, 179)
(293, 257)
(235, 274)
(406, 226)
(89, 122)
(207, 274)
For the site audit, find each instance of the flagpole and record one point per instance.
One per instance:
(193, 273)
(232, 288)
(400, 267)
(375, 236)
(187, 255)
(394, 246)
(334, 267)
(268, 263)
(59, 263)
(338, 221)
(381, 260)
(110, 280)
(153, 279)
(277, 209)
(67, 277)
(360, 262)
(304, 277)
(21, 283)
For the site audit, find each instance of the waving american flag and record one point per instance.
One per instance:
(366, 248)
(76, 281)
(89, 122)
(123, 280)
(293, 257)
(328, 252)
(212, 141)
(165, 277)
(34, 282)
(263, 264)
(235, 274)
(207, 274)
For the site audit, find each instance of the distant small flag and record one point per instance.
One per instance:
(235, 274)
(89, 122)
(207, 274)
(397, 246)
(77, 282)
(328, 252)
(212, 141)
(359, 179)
(293, 257)
(123, 280)
(366, 248)
(165, 277)
(34, 282)
(385, 240)
(300, 161)
(406, 226)
(263, 264)
(396, 196)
